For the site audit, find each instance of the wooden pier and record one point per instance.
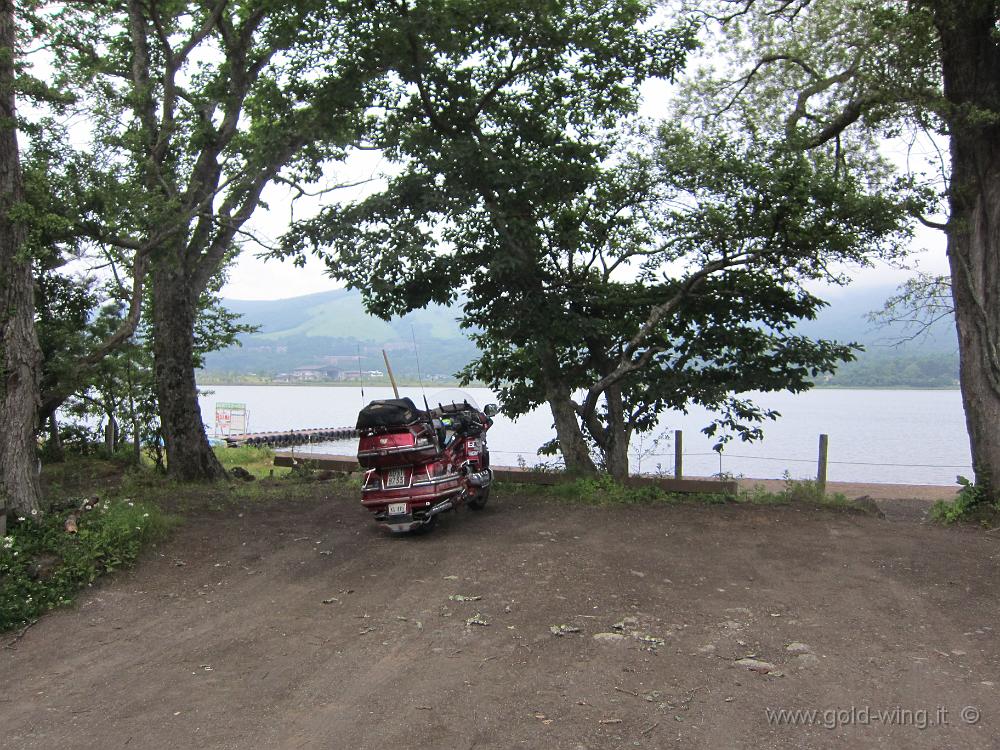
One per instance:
(291, 437)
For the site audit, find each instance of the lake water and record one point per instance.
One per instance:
(904, 436)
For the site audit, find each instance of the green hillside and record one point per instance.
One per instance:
(335, 316)
(328, 331)
(331, 329)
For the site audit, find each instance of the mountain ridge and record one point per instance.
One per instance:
(325, 330)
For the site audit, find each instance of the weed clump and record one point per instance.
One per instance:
(972, 504)
(42, 565)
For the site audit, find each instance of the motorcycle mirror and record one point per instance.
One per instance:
(491, 410)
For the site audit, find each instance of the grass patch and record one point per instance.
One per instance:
(796, 491)
(292, 485)
(185, 498)
(297, 481)
(603, 490)
(42, 566)
(259, 461)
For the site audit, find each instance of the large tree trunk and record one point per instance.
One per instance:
(189, 456)
(971, 70)
(20, 355)
(610, 432)
(974, 256)
(574, 449)
(617, 436)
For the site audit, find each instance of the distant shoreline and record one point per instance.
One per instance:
(346, 384)
(455, 384)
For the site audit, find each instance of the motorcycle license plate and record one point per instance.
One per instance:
(397, 509)
(395, 478)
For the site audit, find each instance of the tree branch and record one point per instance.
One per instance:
(943, 226)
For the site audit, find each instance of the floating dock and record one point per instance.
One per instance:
(291, 437)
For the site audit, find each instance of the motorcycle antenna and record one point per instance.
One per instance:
(361, 374)
(388, 369)
(420, 379)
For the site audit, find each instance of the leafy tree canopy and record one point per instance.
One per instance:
(646, 273)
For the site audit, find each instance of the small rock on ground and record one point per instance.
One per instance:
(804, 661)
(608, 637)
(756, 665)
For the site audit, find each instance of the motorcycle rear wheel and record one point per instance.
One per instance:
(479, 501)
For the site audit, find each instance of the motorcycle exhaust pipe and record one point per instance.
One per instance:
(441, 507)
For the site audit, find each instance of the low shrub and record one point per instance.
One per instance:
(42, 565)
(971, 504)
(805, 491)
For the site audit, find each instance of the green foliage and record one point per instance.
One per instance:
(183, 114)
(838, 76)
(66, 309)
(972, 503)
(649, 272)
(604, 490)
(808, 71)
(42, 566)
(805, 491)
(243, 455)
(119, 389)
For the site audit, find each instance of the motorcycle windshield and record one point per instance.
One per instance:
(451, 396)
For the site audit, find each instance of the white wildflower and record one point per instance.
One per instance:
(8, 542)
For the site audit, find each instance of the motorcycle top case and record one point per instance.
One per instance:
(394, 432)
(388, 413)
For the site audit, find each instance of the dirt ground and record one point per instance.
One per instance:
(300, 625)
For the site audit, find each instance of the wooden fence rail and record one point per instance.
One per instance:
(337, 463)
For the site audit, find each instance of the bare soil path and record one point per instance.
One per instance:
(300, 625)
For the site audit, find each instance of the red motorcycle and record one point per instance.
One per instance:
(423, 462)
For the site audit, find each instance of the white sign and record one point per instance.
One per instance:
(230, 419)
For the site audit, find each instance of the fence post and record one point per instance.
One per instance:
(824, 448)
(678, 454)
